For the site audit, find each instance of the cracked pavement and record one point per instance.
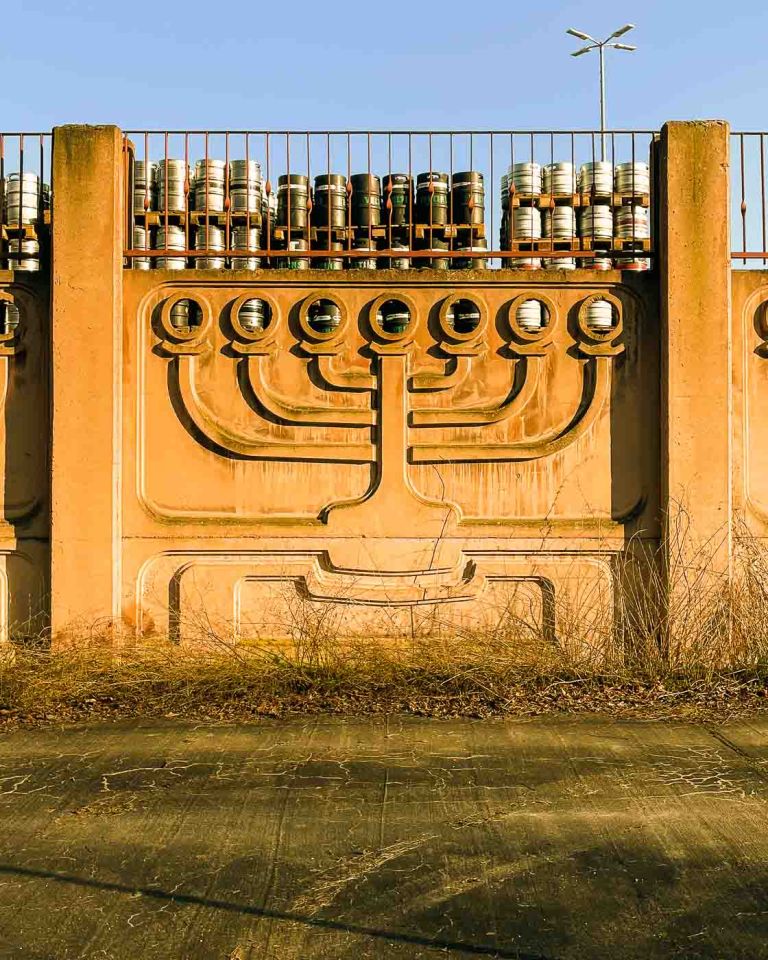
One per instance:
(402, 837)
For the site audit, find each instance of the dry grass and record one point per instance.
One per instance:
(699, 648)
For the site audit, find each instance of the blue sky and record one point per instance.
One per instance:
(351, 65)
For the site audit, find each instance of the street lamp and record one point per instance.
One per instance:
(600, 46)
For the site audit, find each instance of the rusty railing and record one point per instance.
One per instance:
(25, 196)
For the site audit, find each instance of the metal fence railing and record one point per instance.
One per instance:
(25, 200)
(749, 213)
(371, 199)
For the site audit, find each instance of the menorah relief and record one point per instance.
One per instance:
(389, 430)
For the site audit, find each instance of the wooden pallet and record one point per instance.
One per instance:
(585, 199)
(577, 245)
(156, 218)
(449, 230)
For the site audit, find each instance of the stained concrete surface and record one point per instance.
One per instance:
(405, 837)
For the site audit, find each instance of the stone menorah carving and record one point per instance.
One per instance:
(395, 407)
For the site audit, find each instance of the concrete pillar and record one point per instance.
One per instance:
(86, 376)
(696, 388)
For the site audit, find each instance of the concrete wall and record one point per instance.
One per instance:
(380, 484)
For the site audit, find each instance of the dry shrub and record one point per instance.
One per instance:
(682, 622)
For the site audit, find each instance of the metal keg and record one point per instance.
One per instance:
(632, 223)
(525, 178)
(364, 263)
(209, 238)
(532, 316)
(597, 263)
(597, 176)
(254, 315)
(559, 223)
(398, 191)
(560, 178)
(210, 178)
(634, 178)
(331, 263)
(634, 264)
(23, 255)
(472, 263)
(171, 238)
(365, 200)
(292, 262)
(292, 199)
(172, 175)
(596, 222)
(141, 242)
(394, 316)
(464, 316)
(468, 197)
(9, 317)
(324, 316)
(269, 208)
(432, 198)
(245, 186)
(399, 262)
(330, 200)
(185, 314)
(23, 198)
(523, 263)
(559, 263)
(600, 316)
(144, 186)
(526, 223)
(245, 238)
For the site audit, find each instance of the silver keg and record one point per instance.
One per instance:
(634, 264)
(559, 223)
(245, 186)
(141, 242)
(526, 223)
(209, 238)
(531, 316)
(600, 316)
(210, 178)
(24, 198)
(9, 317)
(245, 238)
(560, 178)
(526, 178)
(254, 315)
(523, 263)
(632, 223)
(171, 175)
(597, 263)
(23, 255)
(144, 186)
(596, 222)
(185, 314)
(559, 263)
(634, 178)
(596, 175)
(364, 263)
(171, 238)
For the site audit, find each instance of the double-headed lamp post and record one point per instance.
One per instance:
(600, 46)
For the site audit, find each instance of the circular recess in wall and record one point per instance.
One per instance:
(463, 318)
(532, 317)
(392, 318)
(600, 317)
(253, 317)
(322, 317)
(185, 317)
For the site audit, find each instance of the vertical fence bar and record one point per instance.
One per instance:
(743, 201)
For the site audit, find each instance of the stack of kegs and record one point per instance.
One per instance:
(172, 176)
(330, 201)
(632, 224)
(245, 188)
(432, 198)
(171, 237)
(526, 225)
(144, 186)
(559, 223)
(245, 238)
(365, 200)
(209, 237)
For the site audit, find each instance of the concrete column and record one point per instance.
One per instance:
(87, 376)
(696, 389)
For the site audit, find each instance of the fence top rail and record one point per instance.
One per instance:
(380, 133)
